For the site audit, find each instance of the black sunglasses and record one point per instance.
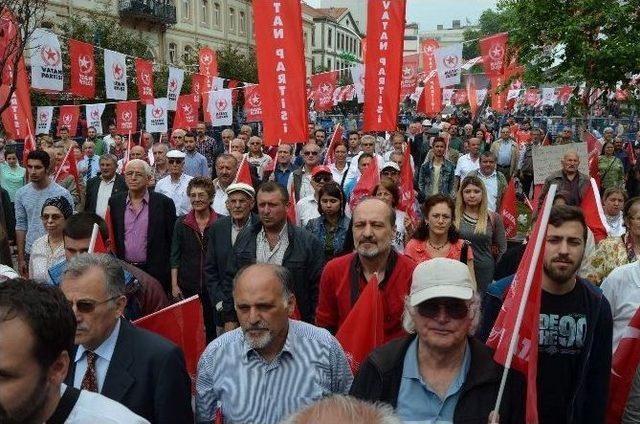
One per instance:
(311, 153)
(175, 160)
(87, 306)
(454, 308)
(323, 178)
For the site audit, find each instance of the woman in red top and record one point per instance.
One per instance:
(436, 236)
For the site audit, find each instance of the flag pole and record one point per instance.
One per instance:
(94, 236)
(527, 287)
(66, 156)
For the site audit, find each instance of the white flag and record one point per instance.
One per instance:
(416, 94)
(549, 97)
(218, 83)
(174, 87)
(447, 94)
(46, 61)
(513, 94)
(94, 116)
(157, 116)
(481, 94)
(43, 121)
(220, 108)
(449, 62)
(357, 73)
(115, 75)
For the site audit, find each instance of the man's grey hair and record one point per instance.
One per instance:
(409, 312)
(367, 137)
(488, 154)
(145, 166)
(163, 146)
(109, 156)
(345, 410)
(110, 267)
(228, 131)
(281, 273)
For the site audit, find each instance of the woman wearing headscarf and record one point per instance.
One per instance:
(49, 249)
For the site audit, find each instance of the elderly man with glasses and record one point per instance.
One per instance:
(307, 207)
(302, 176)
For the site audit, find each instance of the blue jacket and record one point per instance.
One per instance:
(589, 402)
(445, 183)
(318, 228)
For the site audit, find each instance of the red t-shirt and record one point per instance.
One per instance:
(334, 298)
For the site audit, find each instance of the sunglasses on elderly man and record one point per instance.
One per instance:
(86, 306)
(323, 178)
(454, 308)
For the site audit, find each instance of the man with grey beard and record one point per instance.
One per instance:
(271, 366)
(344, 278)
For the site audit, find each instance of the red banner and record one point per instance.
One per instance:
(431, 95)
(472, 94)
(383, 64)
(623, 369)
(323, 86)
(126, 117)
(459, 97)
(508, 210)
(564, 93)
(493, 50)
(532, 97)
(281, 70)
(252, 104)
(144, 78)
(83, 69)
(68, 119)
(187, 112)
(409, 75)
(498, 100)
(208, 62)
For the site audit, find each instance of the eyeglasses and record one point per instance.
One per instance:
(454, 308)
(86, 306)
(172, 161)
(366, 144)
(311, 153)
(323, 178)
(389, 173)
(53, 216)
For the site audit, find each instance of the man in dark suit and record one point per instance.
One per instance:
(137, 368)
(222, 236)
(143, 224)
(101, 187)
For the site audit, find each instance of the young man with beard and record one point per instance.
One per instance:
(37, 330)
(272, 366)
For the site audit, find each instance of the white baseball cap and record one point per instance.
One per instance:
(441, 277)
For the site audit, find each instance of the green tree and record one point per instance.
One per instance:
(575, 41)
(236, 64)
(490, 22)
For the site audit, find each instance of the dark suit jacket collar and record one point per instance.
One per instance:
(118, 379)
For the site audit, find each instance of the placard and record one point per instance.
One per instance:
(546, 159)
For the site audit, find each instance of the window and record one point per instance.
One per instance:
(232, 19)
(313, 38)
(188, 54)
(329, 64)
(186, 9)
(216, 14)
(243, 23)
(304, 36)
(172, 52)
(204, 12)
(329, 32)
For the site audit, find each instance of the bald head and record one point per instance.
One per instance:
(345, 410)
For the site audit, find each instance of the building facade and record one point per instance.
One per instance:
(448, 36)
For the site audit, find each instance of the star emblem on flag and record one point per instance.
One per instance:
(95, 114)
(86, 64)
(206, 59)
(187, 109)
(126, 115)
(450, 61)
(173, 85)
(221, 104)
(50, 56)
(496, 52)
(118, 72)
(325, 87)
(66, 119)
(407, 71)
(146, 78)
(255, 100)
(157, 112)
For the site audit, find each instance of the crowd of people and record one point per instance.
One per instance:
(280, 262)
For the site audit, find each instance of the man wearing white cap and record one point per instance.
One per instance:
(440, 373)
(174, 185)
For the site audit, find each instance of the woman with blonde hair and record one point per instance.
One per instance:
(483, 228)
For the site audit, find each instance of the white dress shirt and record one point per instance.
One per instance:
(89, 167)
(354, 172)
(104, 353)
(465, 165)
(306, 210)
(176, 191)
(97, 409)
(491, 184)
(104, 193)
(220, 200)
(622, 290)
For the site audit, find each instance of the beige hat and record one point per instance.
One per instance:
(441, 277)
(243, 187)
(176, 154)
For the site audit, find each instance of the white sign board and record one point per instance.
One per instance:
(546, 159)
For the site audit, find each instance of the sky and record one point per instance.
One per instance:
(429, 13)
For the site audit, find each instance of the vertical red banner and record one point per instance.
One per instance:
(127, 117)
(144, 78)
(208, 62)
(432, 95)
(83, 69)
(323, 86)
(281, 70)
(187, 111)
(498, 100)
(252, 104)
(493, 50)
(383, 63)
(68, 119)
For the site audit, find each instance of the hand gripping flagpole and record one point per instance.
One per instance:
(94, 237)
(66, 157)
(527, 287)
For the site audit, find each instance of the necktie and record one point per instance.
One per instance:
(90, 379)
(90, 168)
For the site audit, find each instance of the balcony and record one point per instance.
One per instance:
(161, 12)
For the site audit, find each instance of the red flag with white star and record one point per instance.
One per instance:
(83, 69)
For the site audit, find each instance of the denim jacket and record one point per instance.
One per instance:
(445, 183)
(317, 227)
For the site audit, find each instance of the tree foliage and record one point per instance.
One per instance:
(490, 22)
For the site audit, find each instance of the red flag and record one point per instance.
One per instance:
(83, 69)
(408, 195)
(126, 117)
(363, 328)
(523, 301)
(292, 216)
(508, 210)
(201, 84)
(564, 93)
(427, 59)
(110, 231)
(336, 139)
(532, 97)
(472, 94)
(183, 324)
(323, 86)
(208, 62)
(459, 97)
(630, 153)
(29, 146)
(368, 180)
(187, 112)
(623, 369)
(252, 104)
(383, 63)
(281, 69)
(593, 212)
(537, 191)
(68, 119)
(69, 167)
(493, 50)
(594, 171)
(144, 79)
(100, 246)
(409, 75)
(231, 84)
(244, 173)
